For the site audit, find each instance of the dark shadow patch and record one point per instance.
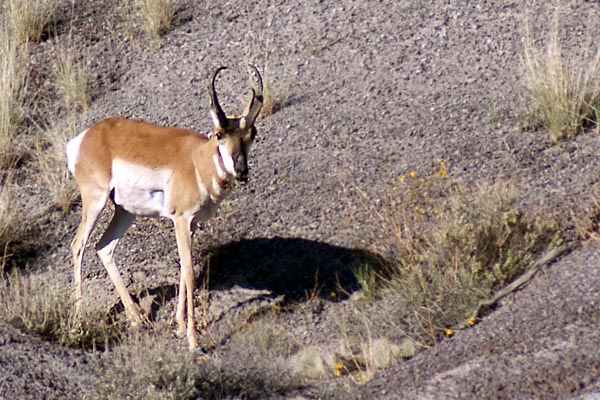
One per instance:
(24, 247)
(296, 269)
(293, 267)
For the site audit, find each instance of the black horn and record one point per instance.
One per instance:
(256, 98)
(219, 117)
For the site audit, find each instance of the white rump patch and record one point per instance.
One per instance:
(73, 147)
(139, 189)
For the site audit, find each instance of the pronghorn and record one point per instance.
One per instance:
(155, 171)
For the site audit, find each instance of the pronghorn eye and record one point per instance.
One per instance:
(219, 136)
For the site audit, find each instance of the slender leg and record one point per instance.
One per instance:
(187, 281)
(93, 202)
(119, 224)
(180, 315)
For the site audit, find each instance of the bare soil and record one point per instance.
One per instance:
(373, 90)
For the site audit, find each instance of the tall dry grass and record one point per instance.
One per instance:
(29, 303)
(157, 16)
(51, 160)
(13, 86)
(71, 79)
(29, 19)
(564, 87)
(7, 219)
(165, 371)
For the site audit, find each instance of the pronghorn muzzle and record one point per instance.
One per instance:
(241, 168)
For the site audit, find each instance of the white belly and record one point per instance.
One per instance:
(141, 190)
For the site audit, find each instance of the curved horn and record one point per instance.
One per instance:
(218, 116)
(256, 98)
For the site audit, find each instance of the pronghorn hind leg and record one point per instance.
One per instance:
(105, 248)
(92, 206)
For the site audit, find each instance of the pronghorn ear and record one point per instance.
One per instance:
(244, 122)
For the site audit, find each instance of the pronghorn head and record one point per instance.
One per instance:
(234, 135)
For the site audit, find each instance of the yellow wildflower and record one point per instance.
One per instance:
(412, 174)
(402, 178)
(337, 369)
(470, 320)
(449, 332)
(443, 171)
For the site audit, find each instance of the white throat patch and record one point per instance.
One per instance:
(227, 160)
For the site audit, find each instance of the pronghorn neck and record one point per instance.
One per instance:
(211, 171)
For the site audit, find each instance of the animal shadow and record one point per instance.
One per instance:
(293, 267)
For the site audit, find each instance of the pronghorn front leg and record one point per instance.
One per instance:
(185, 305)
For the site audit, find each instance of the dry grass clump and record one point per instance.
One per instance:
(586, 217)
(49, 148)
(51, 160)
(30, 305)
(12, 89)
(7, 220)
(29, 19)
(564, 90)
(273, 98)
(71, 80)
(451, 246)
(165, 371)
(158, 16)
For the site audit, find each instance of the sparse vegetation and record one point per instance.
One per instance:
(7, 220)
(31, 305)
(451, 246)
(564, 88)
(158, 16)
(273, 99)
(13, 87)
(71, 80)
(49, 149)
(29, 19)
(163, 371)
(50, 155)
